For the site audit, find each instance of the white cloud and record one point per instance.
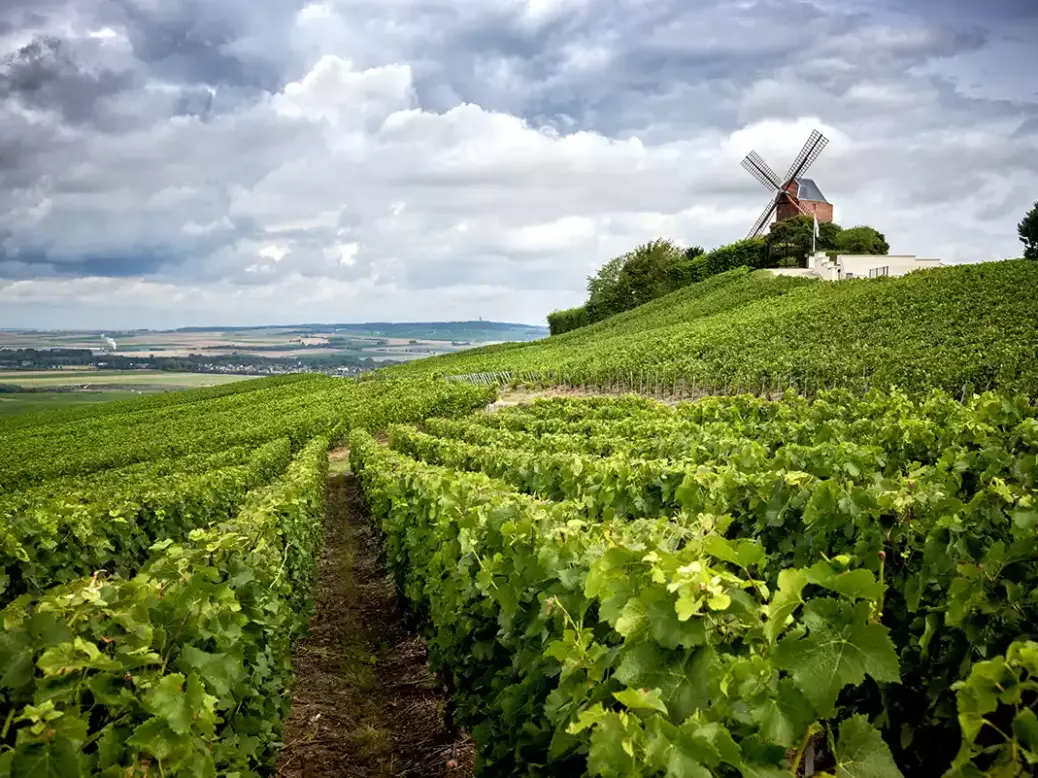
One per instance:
(441, 159)
(274, 252)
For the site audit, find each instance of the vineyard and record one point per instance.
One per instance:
(732, 586)
(157, 564)
(963, 329)
(823, 562)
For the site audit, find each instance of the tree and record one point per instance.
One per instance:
(861, 240)
(606, 291)
(633, 278)
(791, 239)
(645, 270)
(1028, 229)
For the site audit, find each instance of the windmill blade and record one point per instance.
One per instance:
(763, 219)
(812, 148)
(759, 174)
(762, 171)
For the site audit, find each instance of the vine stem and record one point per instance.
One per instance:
(7, 724)
(798, 755)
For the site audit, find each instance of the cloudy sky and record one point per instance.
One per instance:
(174, 162)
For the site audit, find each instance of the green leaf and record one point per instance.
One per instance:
(854, 584)
(155, 737)
(634, 619)
(219, 671)
(1025, 520)
(665, 626)
(861, 752)
(784, 718)
(744, 553)
(1025, 727)
(55, 758)
(168, 701)
(607, 755)
(15, 661)
(683, 677)
(785, 601)
(829, 659)
(110, 746)
(641, 699)
(587, 719)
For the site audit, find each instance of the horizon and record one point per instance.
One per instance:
(294, 325)
(163, 165)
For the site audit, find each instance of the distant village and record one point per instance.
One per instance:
(225, 364)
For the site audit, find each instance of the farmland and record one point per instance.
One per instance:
(818, 557)
(26, 391)
(378, 341)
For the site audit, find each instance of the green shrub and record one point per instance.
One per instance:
(568, 319)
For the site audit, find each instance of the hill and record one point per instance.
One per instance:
(840, 584)
(961, 329)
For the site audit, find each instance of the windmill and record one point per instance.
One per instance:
(792, 194)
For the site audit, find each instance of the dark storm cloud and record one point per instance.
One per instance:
(987, 12)
(43, 74)
(232, 43)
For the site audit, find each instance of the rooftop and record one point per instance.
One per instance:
(808, 190)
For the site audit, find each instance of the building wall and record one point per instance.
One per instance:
(859, 265)
(824, 211)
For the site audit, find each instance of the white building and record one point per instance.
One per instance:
(841, 266)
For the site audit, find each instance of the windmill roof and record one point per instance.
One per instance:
(808, 190)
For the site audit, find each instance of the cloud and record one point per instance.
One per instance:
(217, 161)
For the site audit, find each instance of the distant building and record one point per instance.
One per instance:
(839, 267)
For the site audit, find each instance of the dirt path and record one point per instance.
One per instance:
(365, 703)
(507, 398)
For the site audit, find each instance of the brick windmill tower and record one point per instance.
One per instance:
(793, 194)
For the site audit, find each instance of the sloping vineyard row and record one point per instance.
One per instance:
(963, 329)
(56, 540)
(806, 568)
(148, 610)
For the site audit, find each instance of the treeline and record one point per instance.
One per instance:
(661, 266)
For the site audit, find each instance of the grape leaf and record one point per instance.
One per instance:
(854, 584)
(785, 601)
(861, 752)
(56, 758)
(641, 699)
(828, 659)
(784, 718)
(682, 677)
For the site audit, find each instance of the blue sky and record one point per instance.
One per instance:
(243, 162)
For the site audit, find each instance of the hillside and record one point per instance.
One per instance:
(282, 574)
(960, 329)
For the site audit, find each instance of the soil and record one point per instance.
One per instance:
(365, 702)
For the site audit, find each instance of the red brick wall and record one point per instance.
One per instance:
(824, 211)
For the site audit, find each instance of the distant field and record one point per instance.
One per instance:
(30, 402)
(376, 340)
(98, 378)
(98, 386)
